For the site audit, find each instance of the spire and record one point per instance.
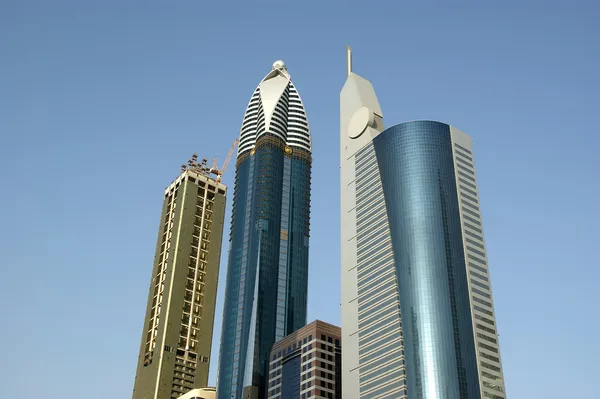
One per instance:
(348, 60)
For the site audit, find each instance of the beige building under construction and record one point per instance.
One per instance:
(178, 326)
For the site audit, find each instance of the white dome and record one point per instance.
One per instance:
(279, 64)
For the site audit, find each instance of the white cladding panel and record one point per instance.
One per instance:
(480, 291)
(360, 122)
(275, 108)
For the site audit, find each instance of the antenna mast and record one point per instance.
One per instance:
(348, 60)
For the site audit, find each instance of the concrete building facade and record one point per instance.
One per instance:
(417, 311)
(176, 341)
(307, 364)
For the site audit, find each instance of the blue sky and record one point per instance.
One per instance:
(101, 101)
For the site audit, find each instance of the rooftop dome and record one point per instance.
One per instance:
(279, 64)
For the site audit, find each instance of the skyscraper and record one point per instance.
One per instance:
(178, 327)
(417, 310)
(267, 272)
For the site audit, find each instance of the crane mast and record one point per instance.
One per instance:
(220, 171)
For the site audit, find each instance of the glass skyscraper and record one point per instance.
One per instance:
(417, 311)
(267, 272)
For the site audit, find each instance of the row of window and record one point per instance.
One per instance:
(376, 273)
(320, 355)
(376, 372)
(374, 339)
(367, 213)
(379, 301)
(388, 388)
(363, 188)
(377, 265)
(384, 379)
(492, 395)
(373, 229)
(370, 195)
(373, 318)
(384, 244)
(160, 277)
(194, 295)
(386, 277)
(386, 347)
(292, 347)
(471, 214)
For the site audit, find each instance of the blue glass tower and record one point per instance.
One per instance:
(267, 272)
(418, 318)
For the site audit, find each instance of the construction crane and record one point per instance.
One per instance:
(219, 172)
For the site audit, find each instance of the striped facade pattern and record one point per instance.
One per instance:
(288, 121)
(382, 372)
(482, 309)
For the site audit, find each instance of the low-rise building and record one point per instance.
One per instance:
(306, 364)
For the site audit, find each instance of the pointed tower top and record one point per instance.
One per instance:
(348, 60)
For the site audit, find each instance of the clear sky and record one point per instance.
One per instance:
(101, 101)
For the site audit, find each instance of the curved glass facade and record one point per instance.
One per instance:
(267, 275)
(416, 166)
